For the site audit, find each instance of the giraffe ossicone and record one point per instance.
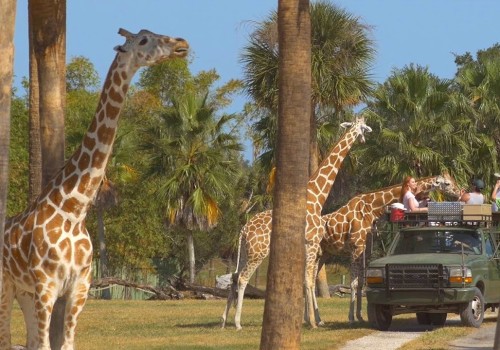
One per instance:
(47, 249)
(255, 236)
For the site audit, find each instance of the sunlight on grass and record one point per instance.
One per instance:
(195, 324)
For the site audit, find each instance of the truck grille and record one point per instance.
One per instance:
(415, 276)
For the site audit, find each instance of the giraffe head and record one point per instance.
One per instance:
(358, 126)
(447, 185)
(149, 48)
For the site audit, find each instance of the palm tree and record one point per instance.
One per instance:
(419, 131)
(341, 56)
(478, 85)
(341, 53)
(284, 292)
(193, 159)
(8, 15)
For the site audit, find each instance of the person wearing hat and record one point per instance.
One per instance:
(495, 194)
(474, 197)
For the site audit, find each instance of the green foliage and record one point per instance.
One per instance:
(18, 157)
(81, 75)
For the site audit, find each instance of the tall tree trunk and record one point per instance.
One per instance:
(284, 304)
(35, 150)
(49, 44)
(7, 25)
(190, 247)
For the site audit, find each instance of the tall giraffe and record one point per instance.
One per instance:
(48, 251)
(255, 236)
(348, 228)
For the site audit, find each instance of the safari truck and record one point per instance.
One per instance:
(440, 262)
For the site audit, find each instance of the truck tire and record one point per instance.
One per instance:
(472, 314)
(379, 316)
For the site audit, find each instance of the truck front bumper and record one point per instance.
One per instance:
(419, 296)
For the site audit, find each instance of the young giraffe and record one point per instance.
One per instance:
(349, 227)
(255, 236)
(48, 251)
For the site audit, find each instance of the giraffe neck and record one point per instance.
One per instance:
(380, 199)
(322, 180)
(80, 178)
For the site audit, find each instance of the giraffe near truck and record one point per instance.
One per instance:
(255, 236)
(349, 227)
(47, 249)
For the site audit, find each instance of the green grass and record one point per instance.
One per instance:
(194, 324)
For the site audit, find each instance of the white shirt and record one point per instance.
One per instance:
(408, 198)
(475, 198)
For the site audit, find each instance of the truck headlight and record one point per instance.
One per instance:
(460, 275)
(375, 276)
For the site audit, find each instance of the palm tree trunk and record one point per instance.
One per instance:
(281, 328)
(190, 243)
(7, 24)
(35, 150)
(49, 36)
(48, 32)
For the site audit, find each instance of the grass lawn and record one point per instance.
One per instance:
(194, 324)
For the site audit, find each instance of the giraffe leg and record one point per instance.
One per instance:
(242, 284)
(354, 287)
(44, 298)
(27, 303)
(243, 279)
(230, 299)
(74, 306)
(317, 317)
(359, 290)
(7, 298)
(310, 303)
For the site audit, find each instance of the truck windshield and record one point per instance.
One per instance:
(414, 242)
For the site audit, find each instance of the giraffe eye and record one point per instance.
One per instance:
(143, 41)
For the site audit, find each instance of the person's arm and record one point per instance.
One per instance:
(413, 204)
(495, 190)
(464, 196)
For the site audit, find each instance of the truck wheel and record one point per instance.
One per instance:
(379, 316)
(472, 314)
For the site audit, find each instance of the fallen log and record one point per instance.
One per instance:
(161, 293)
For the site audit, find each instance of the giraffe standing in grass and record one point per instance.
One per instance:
(255, 236)
(47, 249)
(348, 228)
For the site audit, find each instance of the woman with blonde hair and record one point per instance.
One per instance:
(408, 190)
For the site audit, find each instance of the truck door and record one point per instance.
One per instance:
(493, 291)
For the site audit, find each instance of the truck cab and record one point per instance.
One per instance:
(443, 262)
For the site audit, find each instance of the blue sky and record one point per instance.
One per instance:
(426, 32)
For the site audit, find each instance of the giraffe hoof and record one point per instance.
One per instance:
(321, 324)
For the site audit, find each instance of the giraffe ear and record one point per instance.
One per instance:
(346, 124)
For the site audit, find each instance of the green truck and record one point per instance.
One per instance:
(445, 262)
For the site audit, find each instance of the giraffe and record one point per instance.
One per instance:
(255, 236)
(47, 249)
(349, 227)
